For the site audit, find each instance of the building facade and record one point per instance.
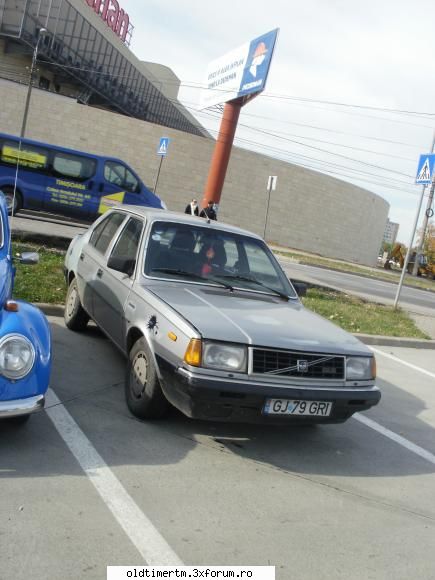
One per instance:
(391, 231)
(92, 94)
(84, 54)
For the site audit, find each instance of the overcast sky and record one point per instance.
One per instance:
(371, 54)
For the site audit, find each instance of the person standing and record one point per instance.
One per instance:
(209, 212)
(192, 208)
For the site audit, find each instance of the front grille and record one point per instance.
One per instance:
(281, 363)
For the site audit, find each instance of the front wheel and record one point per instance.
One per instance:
(143, 393)
(13, 202)
(76, 318)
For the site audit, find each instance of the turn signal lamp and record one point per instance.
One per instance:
(193, 353)
(11, 306)
(373, 368)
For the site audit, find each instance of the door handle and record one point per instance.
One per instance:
(82, 256)
(101, 187)
(100, 273)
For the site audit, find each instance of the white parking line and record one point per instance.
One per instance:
(397, 438)
(148, 541)
(399, 360)
(390, 434)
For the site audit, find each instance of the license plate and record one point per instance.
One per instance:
(302, 408)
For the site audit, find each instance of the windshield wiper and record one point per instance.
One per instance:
(187, 274)
(253, 280)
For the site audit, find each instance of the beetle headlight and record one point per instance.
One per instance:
(360, 368)
(224, 357)
(17, 356)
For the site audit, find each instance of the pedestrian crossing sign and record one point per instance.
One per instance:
(163, 146)
(425, 169)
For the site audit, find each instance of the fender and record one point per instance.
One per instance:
(30, 322)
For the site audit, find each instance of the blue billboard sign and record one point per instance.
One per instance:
(241, 72)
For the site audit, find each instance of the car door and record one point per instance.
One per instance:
(92, 260)
(70, 185)
(114, 286)
(116, 185)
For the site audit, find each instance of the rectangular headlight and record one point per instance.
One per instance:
(360, 368)
(224, 357)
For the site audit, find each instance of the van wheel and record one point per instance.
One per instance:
(76, 318)
(13, 204)
(143, 393)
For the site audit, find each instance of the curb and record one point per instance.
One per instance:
(392, 341)
(369, 339)
(50, 309)
(59, 242)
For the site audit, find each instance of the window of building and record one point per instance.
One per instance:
(44, 83)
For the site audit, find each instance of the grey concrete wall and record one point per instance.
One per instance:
(308, 211)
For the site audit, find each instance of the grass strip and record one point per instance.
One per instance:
(356, 315)
(44, 282)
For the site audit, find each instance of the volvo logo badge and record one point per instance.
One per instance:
(302, 366)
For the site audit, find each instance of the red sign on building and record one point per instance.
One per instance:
(113, 16)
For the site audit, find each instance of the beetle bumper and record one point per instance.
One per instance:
(18, 407)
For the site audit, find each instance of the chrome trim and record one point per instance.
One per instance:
(301, 378)
(18, 407)
(249, 383)
(13, 336)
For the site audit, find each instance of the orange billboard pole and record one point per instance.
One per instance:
(222, 152)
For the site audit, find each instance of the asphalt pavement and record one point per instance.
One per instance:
(85, 485)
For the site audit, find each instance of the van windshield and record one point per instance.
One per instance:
(183, 251)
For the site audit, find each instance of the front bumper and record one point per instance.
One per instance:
(206, 397)
(19, 407)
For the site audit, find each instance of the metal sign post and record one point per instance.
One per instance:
(271, 186)
(162, 151)
(421, 172)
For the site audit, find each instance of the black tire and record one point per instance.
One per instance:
(143, 393)
(15, 204)
(76, 318)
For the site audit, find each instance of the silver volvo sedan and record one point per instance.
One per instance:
(210, 323)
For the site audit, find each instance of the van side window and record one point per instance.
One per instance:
(118, 174)
(73, 166)
(29, 156)
(103, 234)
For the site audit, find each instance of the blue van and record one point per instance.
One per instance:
(66, 181)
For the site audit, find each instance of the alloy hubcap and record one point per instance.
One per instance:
(71, 302)
(139, 374)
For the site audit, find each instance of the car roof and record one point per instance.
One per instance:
(152, 214)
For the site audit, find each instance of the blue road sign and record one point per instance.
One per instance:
(425, 169)
(163, 146)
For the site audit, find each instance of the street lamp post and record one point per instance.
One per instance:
(41, 33)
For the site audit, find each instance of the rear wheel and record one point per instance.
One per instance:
(14, 203)
(143, 393)
(76, 318)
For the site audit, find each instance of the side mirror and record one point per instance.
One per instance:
(300, 287)
(29, 258)
(121, 264)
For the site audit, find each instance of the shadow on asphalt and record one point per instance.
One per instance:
(88, 377)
